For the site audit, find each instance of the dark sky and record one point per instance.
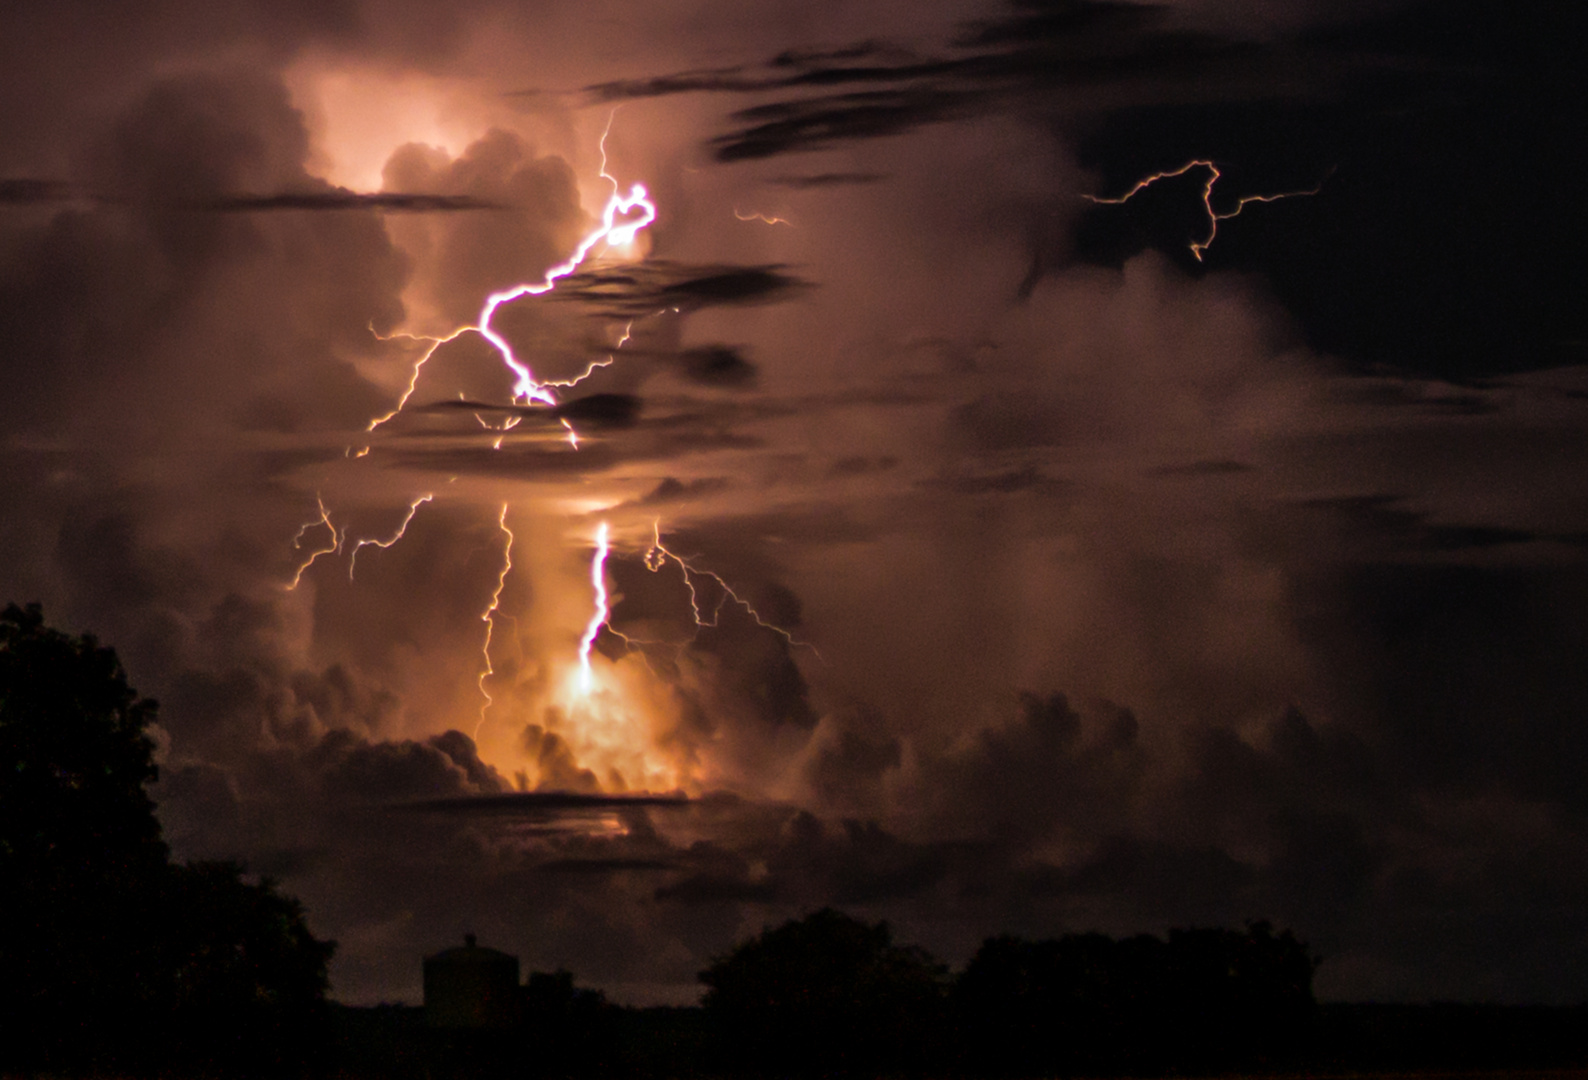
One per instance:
(1053, 577)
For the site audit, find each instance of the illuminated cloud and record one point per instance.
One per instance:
(391, 202)
(978, 558)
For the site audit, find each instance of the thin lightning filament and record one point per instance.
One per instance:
(488, 617)
(1198, 247)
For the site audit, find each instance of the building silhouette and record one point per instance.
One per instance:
(471, 987)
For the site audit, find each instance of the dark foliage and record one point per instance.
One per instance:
(830, 995)
(1204, 999)
(568, 1024)
(1448, 1037)
(110, 955)
(826, 994)
(557, 1029)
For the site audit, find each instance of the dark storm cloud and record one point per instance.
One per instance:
(642, 289)
(785, 127)
(786, 69)
(1423, 116)
(543, 803)
(389, 202)
(829, 179)
(1091, 52)
(1417, 254)
(634, 428)
(600, 410)
(392, 771)
(717, 365)
(1448, 399)
(92, 270)
(1003, 482)
(710, 79)
(737, 538)
(1214, 467)
(859, 466)
(1387, 520)
(671, 490)
(847, 771)
(26, 191)
(592, 459)
(604, 866)
(805, 858)
(1134, 485)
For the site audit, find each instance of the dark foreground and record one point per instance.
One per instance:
(393, 1043)
(118, 961)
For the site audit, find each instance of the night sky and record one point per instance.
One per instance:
(981, 559)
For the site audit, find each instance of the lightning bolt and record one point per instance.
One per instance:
(413, 508)
(598, 617)
(637, 212)
(1214, 217)
(624, 215)
(488, 617)
(763, 218)
(297, 541)
(595, 365)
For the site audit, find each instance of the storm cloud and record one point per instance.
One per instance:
(977, 556)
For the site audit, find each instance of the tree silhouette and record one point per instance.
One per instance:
(110, 955)
(1205, 999)
(825, 994)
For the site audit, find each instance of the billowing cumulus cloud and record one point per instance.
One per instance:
(978, 557)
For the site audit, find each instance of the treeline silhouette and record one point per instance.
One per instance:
(112, 957)
(832, 996)
(829, 994)
(116, 960)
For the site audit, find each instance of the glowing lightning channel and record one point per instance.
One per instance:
(763, 218)
(656, 557)
(413, 508)
(636, 210)
(598, 617)
(1214, 217)
(297, 541)
(488, 617)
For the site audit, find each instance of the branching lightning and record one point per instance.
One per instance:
(621, 221)
(656, 557)
(624, 215)
(297, 541)
(1214, 217)
(488, 617)
(622, 218)
(413, 508)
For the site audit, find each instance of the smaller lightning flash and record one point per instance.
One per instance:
(402, 529)
(488, 617)
(1214, 217)
(324, 520)
(762, 218)
(657, 555)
